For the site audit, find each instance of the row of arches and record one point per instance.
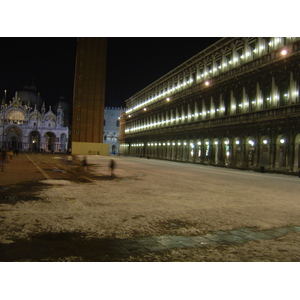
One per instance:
(273, 153)
(255, 96)
(14, 137)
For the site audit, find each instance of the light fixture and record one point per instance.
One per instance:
(284, 52)
(237, 142)
(282, 141)
(207, 83)
(265, 142)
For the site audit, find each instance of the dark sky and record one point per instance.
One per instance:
(132, 64)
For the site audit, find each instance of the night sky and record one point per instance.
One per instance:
(132, 64)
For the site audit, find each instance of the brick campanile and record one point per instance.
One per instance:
(89, 91)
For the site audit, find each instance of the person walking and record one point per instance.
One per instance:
(84, 163)
(3, 159)
(112, 167)
(69, 160)
(10, 154)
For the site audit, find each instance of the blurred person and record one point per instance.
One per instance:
(112, 167)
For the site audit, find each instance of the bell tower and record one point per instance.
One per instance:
(89, 96)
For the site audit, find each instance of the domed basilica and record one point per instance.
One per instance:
(25, 124)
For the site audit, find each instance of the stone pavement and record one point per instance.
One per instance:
(164, 242)
(22, 169)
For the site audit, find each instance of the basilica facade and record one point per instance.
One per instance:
(234, 104)
(25, 126)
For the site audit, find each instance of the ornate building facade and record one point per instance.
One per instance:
(234, 104)
(24, 126)
(112, 128)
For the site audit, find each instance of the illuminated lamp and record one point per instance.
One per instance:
(284, 52)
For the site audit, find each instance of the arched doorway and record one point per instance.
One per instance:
(113, 149)
(49, 141)
(237, 151)
(250, 151)
(281, 150)
(34, 140)
(13, 137)
(265, 151)
(226, 151)
(215, 149)
(207, 150)
(297, 153)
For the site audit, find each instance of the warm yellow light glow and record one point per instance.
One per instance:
(284, 52)
(207, 83)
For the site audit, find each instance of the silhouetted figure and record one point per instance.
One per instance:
(112, 167)
(3, 159)
(84, 163)
(10, 154)
(69, 160)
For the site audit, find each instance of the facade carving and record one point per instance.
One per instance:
(24, 127)
(234, 104)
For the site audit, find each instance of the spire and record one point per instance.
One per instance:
(43, 107)
(16, 96)
(4, 99)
